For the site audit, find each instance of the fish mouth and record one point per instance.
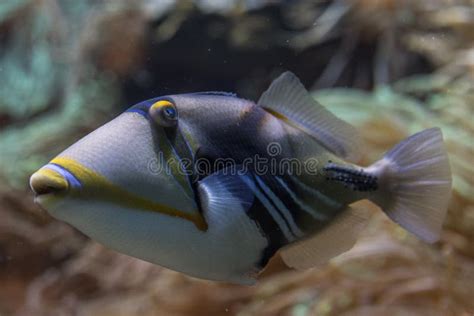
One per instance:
(46, 183)
(51, 181)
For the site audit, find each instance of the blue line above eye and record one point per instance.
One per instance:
(139, 111)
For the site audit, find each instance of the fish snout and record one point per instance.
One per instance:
(46, 181)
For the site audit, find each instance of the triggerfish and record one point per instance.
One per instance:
(213, 185)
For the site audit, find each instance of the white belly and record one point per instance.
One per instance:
(228, 251)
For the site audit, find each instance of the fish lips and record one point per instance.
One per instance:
(51, 183)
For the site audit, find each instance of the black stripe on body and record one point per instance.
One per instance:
(272, 228)
(309, 208)
(269, 228)
(295, 207)
(272, 203)
(322, 207)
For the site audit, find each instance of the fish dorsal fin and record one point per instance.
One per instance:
(338, 237)
(287, 98)
(218, 93)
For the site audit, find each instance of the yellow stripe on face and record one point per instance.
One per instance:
(96, 186)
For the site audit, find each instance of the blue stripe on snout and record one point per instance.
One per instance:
(71, 179)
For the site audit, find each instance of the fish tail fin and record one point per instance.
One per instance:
(414, 183)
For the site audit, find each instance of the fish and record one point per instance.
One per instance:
(214, 186)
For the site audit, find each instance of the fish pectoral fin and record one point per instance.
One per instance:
(288, 99)
(235, 238)
(338, 237)
(224, 190)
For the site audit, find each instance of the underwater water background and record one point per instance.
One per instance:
(389, 67)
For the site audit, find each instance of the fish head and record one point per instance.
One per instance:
(119, 169)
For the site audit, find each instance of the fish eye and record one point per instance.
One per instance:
(170, 113)
(164, 113)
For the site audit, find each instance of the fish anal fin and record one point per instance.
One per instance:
(287, 99)
(336, 238)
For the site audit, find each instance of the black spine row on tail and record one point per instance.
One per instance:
(356, 179)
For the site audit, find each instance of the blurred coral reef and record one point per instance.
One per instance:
(389, 67)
